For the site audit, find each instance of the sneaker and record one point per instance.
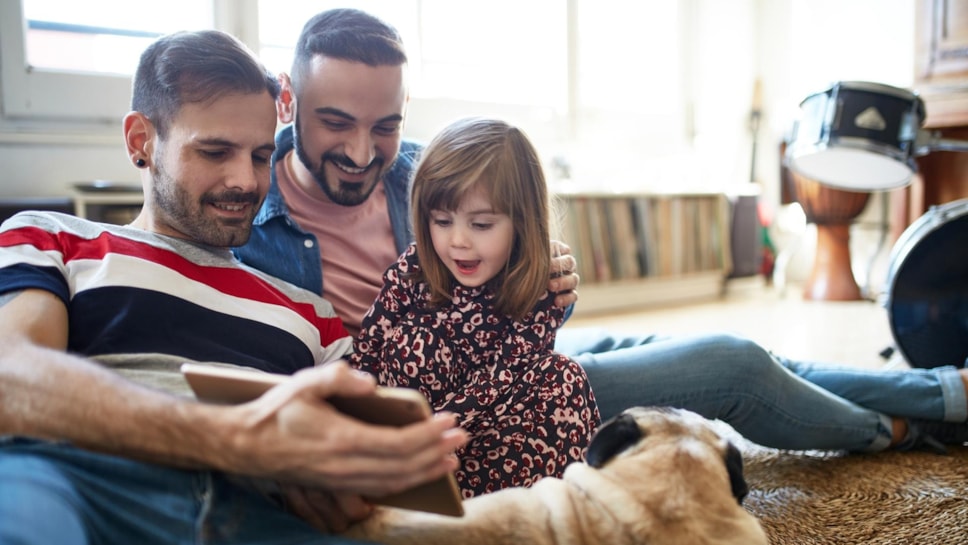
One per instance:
(941, 433)
(920, 436)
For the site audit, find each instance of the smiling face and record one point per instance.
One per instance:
(348, 121)
(211, 172)
(474, 242)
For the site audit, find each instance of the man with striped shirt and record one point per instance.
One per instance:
(94, 319)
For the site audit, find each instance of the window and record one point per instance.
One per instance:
(632, 59)
(574, 74)
(63, 59)
(571, 72)
(471, 51)
(281, 21)
(630, 78)
(65, 35)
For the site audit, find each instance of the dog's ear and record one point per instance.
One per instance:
(613, 437)
(734, 466)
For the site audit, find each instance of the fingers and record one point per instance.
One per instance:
(318, 512)
(335, 378)
(324, 448)
(563, 271)
(325, 511)
(353, 507)
(292, 434)
(564, 285)
(388, 460)
(559, 248)
(563, 265)
(566, 299)
(561, 284)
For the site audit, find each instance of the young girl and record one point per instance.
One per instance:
(465, 316)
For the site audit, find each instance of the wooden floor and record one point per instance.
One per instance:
(850, 333)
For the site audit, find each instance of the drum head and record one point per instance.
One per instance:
(857, 136)
(928, 297)
(852, 169)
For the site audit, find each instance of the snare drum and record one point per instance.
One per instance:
(857, 136)
(927, 298)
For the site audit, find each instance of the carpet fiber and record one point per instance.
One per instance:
(890, 497)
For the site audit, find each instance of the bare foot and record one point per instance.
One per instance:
(899, 429)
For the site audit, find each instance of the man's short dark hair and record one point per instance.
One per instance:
(350, 35)
(192, 67)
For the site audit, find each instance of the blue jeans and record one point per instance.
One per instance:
(55, 493)
(769, 400)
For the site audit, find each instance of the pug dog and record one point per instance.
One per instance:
(651, 476)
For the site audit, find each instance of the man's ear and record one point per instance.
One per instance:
(286, 103)
(139, 137)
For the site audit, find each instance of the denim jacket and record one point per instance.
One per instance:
(281, 248)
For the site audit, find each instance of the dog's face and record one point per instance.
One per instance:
(641, 429)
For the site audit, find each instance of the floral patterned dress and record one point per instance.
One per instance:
(529, 411)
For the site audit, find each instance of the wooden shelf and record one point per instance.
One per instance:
(9, 207)
(646, 249)
(118, 207)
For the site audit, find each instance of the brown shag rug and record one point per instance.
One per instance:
(886, 498)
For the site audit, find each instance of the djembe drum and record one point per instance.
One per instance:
(832, 211)
(854, 137)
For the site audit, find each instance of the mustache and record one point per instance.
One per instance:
(344, 160)
(232, 197)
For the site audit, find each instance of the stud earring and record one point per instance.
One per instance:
(140, 163)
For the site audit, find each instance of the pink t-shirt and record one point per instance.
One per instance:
(357, 245)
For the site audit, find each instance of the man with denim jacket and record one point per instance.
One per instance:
(339, 204)
(278, 245)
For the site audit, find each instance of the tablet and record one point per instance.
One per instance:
(387, 406)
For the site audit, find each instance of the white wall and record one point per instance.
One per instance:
(805, 45)
(47, 168)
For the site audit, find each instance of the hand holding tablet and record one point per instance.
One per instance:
(387, 407)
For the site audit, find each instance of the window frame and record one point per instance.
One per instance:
(97, 102)
(29, 94)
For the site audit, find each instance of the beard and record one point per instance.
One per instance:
(341, 193)
(192, 218)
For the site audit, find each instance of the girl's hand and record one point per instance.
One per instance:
(327, 512)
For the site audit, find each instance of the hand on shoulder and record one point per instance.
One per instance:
(564, 278)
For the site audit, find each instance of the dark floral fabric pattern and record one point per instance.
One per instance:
(530, 412)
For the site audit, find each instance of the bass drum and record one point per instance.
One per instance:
(927, 299)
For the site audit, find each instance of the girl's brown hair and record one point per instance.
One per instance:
(492, 154)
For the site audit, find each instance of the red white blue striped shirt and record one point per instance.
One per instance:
(129, 291)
